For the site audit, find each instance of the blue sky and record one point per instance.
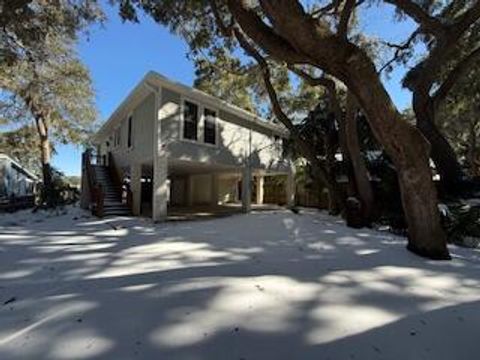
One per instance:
(119, 54)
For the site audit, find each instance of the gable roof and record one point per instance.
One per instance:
(154, 80)
(18, 167)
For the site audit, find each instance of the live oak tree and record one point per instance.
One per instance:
(41, 75)
(450, 32)
(56, 96)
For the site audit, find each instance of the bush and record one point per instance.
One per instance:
(462, 224)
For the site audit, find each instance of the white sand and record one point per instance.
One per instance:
(260, 286)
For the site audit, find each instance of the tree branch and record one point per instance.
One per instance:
(458, 71)
(262, 34)
(399, 48)
(464, 21)
(329, 9)
(428, 23)
(327, 83)
(345, 15)
(312, 81)
(305, 147)
(226, 30)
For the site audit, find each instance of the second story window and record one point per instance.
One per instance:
(129, 137)
(209, 129)
(190, 120)
(117, 137)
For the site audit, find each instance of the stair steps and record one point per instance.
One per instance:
(112, 205)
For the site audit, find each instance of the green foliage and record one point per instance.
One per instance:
(26, 25)
(22, 145)
(459, 120)
(59, 87)
(62, 191)
(73, 180)
(389, 209)
(462, 224)
(225, 77)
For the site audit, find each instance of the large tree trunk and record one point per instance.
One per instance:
(360, 172)
(409, 151)
(297, 38)
(41, 116)
(442, 153)
(48, 193)
(472, 147)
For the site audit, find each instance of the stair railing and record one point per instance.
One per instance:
(117, 180)
(97, 196)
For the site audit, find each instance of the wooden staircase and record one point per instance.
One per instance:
(103, 187)
(112, 193)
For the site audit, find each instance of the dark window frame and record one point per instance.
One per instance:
(209, 124)
(129, 131)
(117, 137)
(190, 127)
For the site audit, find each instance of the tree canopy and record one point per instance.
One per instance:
(27, 25)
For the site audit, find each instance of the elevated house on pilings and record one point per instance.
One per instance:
(169, 147)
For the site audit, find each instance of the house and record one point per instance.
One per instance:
(17, 185)
(175, 146)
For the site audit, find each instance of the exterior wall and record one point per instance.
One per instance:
(233, 138)
(141, 151)
(178, 191)
(202, 189)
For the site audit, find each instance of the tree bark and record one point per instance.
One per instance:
(48, 196)
(409, 151)
(360, 172)
(472, 147)
(442, 153)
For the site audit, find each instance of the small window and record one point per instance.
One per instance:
(209, 126)
(117, 137)
(129, 138)
(278, 140)
(190, 121)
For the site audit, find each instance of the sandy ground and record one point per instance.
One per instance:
(271, 285)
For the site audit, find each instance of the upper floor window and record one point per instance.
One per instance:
(190, 120)
(129, 137)
(278, 140)
(117, 137)
(209, 129)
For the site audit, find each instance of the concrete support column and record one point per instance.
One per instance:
(160, 188)
(190, 190)
(160, 163)
(214, 189)
(136, 187)
(246, 189)
(260, 190)
(290, 187)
